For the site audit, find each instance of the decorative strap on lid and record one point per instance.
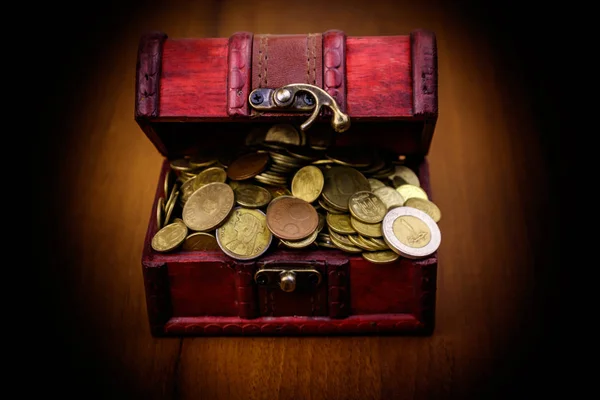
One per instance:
(272, 61)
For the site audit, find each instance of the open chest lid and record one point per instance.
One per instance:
(197, 94)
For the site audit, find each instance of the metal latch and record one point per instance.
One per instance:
(299, 97)
(288, 279)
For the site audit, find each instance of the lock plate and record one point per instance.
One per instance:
(288, 280)
(299, 97)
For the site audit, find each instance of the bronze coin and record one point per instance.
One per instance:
(290, 218)
(247, 166)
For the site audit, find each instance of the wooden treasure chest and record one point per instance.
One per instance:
(294, 195)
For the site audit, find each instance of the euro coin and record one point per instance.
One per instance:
(244, 235)
(427, 206)
(252, 196)
(341, 182)
(200, 241)
(380, 257)
(209, 175)
(308, 183)
(408, 191)
(169, 237)
(290, 218)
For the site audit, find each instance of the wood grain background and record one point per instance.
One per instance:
(493, 161)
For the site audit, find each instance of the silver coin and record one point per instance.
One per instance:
(411, 233)
(405, 174)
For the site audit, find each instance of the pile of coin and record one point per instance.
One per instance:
(280, 191)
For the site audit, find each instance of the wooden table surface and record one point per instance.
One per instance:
(491, 176)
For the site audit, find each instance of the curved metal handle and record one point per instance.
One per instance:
(299, 97)
(340, 121)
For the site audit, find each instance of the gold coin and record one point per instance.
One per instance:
(354, 239)
(343, 247)
(169, 179)
(181, 164)
(411, 231)
(187, 188)
(390, 197)
(200, 241)
(427, 206)
(202, 160)
(169, 238)
(409, 191)
(366, 244)
(341, 183)
(277, 191)
(308, 183)
(321, 222)
(244, 235)
(210, 175)
(299, 244)
(369, 230)
(343, 239)
(327, 207)
(160, 209)
(406, 174)
(375, 184)
(283, 133)
(171, 206)
(208, 207)
(380, 257)
(380, 243)
(252, 196)
(340, 223)
(367, 207)
(269, 181)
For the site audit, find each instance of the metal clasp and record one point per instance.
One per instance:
(299, 97)
(288, 279)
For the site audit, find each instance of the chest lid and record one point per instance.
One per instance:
(198, 94)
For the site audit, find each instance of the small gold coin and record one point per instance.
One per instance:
(160, 210)
(409, 191)
(283, 133)
(300, 244)
(390, 197)
(341, 183)
(340, 223)
(202, 160)
(187, 188)
(244, 235)
(355, 239)
(252, 196)
(208, 207)
(277, 191)
(328, 208)
(369, 230)
(343, 239)
(308, 183)
(380, 257)
(427, 206)
(169, 238)
(380, 243)
(367, 207)
(169, 179)
(200, 241)
(171, 206)
(375, 184)
(210, 175)
(181, 164)
(405, 174)
(343, 247)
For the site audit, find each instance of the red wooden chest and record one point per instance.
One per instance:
(204, 95)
